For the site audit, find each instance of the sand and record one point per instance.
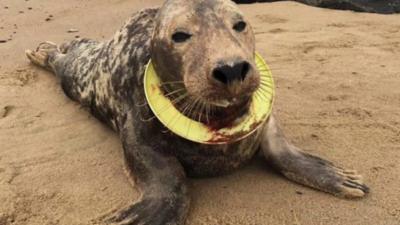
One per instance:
(338, 96)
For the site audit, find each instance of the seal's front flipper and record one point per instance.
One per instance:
(151, 211)
(307, 169)
(44, 55)
(161, 180)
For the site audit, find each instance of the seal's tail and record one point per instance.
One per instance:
(44, 55)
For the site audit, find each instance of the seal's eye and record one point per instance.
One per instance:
(180, 37)
(240, 26)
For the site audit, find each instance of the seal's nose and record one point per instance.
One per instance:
(227, 74)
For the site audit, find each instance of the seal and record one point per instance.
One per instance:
(203, 54)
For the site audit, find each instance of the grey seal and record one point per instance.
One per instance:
(205, 49)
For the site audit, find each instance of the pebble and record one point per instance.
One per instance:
(72, 30)
(49, 17)
(3, 41)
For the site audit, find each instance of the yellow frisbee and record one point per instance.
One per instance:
(183, 126)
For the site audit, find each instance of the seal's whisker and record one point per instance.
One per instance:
(191, 107)
(177, 82)
(198, 108)
(166, 95)
(201, 108)
(188, 108)
(179, 98)
(190, 114)
(141, 104)
(185, 106)
(174, 101)
(174, 92)
(207, 111)
(147, 120)
(195, 110)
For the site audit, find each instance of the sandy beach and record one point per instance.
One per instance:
(338, 96)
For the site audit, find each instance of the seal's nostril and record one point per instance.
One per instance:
(220, 76)
(245, 70)
(228, 74)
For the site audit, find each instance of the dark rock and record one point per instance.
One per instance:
(372, 6)
(3, 41)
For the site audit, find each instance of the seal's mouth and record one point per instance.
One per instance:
(225, 103)
(224, 116)
(215, 114)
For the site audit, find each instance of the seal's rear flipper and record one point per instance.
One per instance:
(44, 55)
(307, 169)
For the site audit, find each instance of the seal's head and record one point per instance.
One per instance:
(208, 48)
